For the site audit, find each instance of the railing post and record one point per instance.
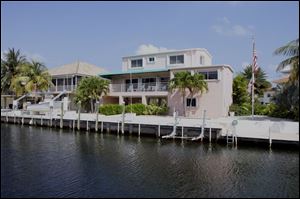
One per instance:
(97, 115)
(123, 117)
(78, 120)
(61, 114)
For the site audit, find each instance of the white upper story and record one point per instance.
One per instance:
(169, 59)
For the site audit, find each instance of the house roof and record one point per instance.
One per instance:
(80, 68)
(281, 80)
(133, 71)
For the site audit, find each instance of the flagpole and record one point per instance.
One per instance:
(252, 86)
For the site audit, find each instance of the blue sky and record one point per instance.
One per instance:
(100, 33)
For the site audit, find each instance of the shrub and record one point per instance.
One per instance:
(244, 109)
(111, 109)
(139, 109)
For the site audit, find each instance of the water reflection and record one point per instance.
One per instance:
(68, 163)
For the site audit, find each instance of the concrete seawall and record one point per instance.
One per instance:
(260, 130)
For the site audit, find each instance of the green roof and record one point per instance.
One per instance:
(134, 71)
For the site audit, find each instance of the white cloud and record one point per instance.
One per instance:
(225, 27)
(2, 53)
(245, 64)
(28, 56)
(145, 49)
(34, 56)
(233, 2)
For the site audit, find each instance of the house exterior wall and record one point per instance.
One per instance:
(162, 60)
(215, 101)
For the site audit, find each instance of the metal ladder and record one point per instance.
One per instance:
(230, 138)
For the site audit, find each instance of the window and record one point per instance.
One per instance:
(209, 74)
(191, 102)
(136, 63)
(268, 95)
(201, 60)
(178, 59)
(134, 84)
(151, 59)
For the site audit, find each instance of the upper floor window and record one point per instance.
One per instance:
(191, 102)
(136, 63)
(151, 59)
(177, 59)
(201, 60)
(209, 74)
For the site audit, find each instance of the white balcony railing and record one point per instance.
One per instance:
(139, 87)
(62, 88)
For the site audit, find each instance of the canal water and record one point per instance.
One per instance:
(44, 162)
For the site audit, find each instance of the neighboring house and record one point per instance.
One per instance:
(144, 79)
(268, 96)
(67, 77)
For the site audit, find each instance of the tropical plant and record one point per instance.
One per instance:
(291, 50)
(9, 65)
(261, 83)
(184, 80)
(197, 84)
(110, 109)
(31, 77)
(240, 94)
(91, 89)
(180, 81)
(287, 102)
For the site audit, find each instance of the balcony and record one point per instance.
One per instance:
(62, 88)
(140, 87)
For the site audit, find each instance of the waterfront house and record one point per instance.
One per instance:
(66, 78)
(144, 79)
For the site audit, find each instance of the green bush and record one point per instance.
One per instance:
(111, 109)
(244, 109)
(139, 109)
(155, 110)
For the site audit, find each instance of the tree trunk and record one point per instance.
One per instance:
(92, 110)
(183, 95)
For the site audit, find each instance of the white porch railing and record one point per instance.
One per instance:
(139, 87)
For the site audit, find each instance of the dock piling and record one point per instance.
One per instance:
(61, 114)
(78, 119)
(158, 130)
(97, 116)
(139, 129)
(209, 135)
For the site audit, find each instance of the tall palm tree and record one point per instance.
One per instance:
(180, 82)
(261, 83)
(33, 76)
(9, 65)
(197, 84)
(291, 50)
(91, 89)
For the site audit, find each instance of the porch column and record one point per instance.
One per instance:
(144, 101)
(72, 83)
(56, 85)
(121, 99)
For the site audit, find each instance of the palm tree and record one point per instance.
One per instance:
(197, 84)
(184, 80)
(180, 82)
(32, 77)
(291, 49)
(260, 76)
(91, 89)
(9, 66)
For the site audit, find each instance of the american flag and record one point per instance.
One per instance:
(254, 68)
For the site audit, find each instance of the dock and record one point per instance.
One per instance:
(259, 130)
